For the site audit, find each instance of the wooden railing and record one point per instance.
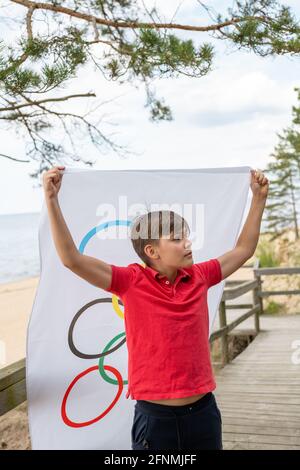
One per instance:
(12, 377)
(259, 272)
(233, 290)
(256, 308)
(12, 386)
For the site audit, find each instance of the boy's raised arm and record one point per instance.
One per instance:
(247, 241)
(91, 269)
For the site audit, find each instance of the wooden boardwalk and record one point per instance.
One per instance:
(258, 393)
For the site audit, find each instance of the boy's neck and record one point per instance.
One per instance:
(170, 273)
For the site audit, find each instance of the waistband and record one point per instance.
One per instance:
(156, 409)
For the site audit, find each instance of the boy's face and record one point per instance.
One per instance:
(174, 252)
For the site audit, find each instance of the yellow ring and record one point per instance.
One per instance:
(116, 306)
(115, 302)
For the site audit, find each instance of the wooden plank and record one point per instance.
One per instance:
(267, 359)
(272, 348)
(252, 372)
(233, 283)
(228, 445)
(263, 419)
(267, 293)
(237, 376)
(273, 407)
(224, 337)
(12, 386)
(234, 292)
(262, 439)
(262, 365)
(272, 271)
(242, 318)
(12, 373)
(263, 430)
(243, 332)
(12, 396)
(273, 389)
(241, 381)
(275, 422)
(285, 398)
(284, 352)
(245, 367)
(249, 401)
(238, 306)
(259, 376)
(251, 358)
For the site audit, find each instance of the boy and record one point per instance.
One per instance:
(166, 318)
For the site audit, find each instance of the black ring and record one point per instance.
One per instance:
(72, 326)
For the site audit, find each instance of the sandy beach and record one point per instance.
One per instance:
(16, 300)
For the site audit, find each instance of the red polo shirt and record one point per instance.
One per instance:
(167, 328)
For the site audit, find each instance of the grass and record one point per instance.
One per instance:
(273, 308)
(267, 255)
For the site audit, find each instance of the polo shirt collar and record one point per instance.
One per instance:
(181, 273)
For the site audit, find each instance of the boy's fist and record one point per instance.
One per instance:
(259, 184)
(52, 181)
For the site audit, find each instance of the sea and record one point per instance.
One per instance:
(19, 248)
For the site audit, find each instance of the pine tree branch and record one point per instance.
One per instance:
(13, 158)
(134, 24)
(46, 100)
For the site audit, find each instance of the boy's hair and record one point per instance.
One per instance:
(150, 227)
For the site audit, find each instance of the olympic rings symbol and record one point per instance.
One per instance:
(109, 348)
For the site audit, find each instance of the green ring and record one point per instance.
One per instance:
(101, 362)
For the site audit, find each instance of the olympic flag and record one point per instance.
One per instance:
(76, 344)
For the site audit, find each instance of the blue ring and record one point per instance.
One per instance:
(93, 231)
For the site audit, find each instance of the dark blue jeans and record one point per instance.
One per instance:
(197, 426)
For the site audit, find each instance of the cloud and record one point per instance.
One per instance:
(220, 99)
(223, 118)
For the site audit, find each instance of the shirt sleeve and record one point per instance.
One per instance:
(122, 278)
(210, 271)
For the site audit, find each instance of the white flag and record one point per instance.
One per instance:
(76, 344)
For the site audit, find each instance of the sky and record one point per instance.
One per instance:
(230, 117)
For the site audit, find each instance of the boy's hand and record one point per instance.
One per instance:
(259, 184)
(52, 181)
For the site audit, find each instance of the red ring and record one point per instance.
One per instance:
(82, 374)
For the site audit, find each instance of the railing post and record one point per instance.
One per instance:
(259, 291)
(257, 299)
(224, 338)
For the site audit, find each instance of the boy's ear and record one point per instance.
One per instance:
(150, 251)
